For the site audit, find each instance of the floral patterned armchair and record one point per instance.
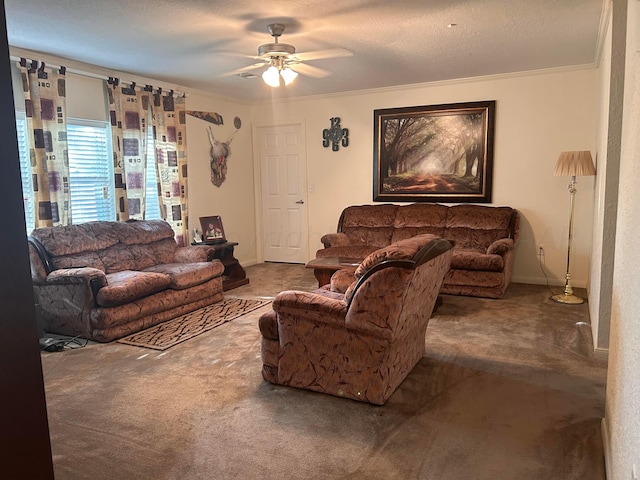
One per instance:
(359, 337)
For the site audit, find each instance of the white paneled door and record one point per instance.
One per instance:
(284, 209)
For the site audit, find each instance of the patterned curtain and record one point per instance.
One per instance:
(129, 112)
(46, 112)
(169, 133)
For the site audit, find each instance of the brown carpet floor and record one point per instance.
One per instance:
(508, 389)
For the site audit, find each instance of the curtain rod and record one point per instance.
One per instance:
(98, 76)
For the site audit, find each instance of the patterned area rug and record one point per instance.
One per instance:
(172, 332)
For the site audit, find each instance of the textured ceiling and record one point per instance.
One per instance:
(197, 43)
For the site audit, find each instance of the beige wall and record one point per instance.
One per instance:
(537, 116)
(604, 217)
(623, 380)
(234, 200)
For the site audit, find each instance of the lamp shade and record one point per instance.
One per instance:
(271, 76)
(288, 75)
(577, 163)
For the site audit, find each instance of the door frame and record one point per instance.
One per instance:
(257, 181)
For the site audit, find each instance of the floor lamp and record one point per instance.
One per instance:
(572, 164)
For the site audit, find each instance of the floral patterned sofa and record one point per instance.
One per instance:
(105, 280)
(361, 337)
(483, 239)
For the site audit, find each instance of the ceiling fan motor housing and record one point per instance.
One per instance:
(276, 49)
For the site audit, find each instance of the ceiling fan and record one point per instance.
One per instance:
(283, 63)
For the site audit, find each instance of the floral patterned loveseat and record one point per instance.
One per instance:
(105, 280)
(483, 239)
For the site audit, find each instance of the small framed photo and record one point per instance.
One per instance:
(212, 229)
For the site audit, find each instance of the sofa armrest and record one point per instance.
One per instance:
(93, 278)
(192, 254)
(335, 240)
(321, 309)
(500, 246)
(77, 275)
(294, 301)
(311, 306)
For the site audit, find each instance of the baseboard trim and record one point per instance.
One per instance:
(601, 353)
(552, 282)
(606, 446)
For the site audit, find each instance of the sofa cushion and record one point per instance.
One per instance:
(126, 286)
(341, 280)
(78, 260)
(349, 251)
(478, 261)
(185, 275)
(124, 256)
(400, 234)
(419, 219)
(72, 239)
(477, 226)
(406, 250)
(478, 279)
(369, 224)
(326, 291)
(368, 216)
(109, 246)
(377, 236)
(134, 232)
(421, 215)
(150, 310)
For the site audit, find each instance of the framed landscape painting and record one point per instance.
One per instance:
(436, 153)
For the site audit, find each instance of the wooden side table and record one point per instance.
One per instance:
(234, 275)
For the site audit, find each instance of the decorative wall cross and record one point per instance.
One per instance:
(335, 135)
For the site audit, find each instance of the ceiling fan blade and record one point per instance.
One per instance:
(321, 54)
(245, 69)
(309, 70)
(228, 53)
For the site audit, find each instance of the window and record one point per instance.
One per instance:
(152, 203)
(25, 171)
(90, 171)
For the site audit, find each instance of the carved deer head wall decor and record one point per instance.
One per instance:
(219, 153)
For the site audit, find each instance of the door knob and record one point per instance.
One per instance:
(300, 202)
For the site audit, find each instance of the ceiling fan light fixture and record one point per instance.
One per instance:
(271, 76)
(288, 75)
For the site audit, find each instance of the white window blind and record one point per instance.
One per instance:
(151, 183)
(25, 171)
(90, 171)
